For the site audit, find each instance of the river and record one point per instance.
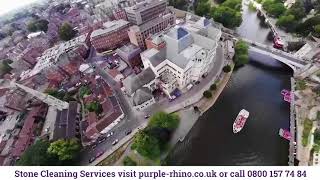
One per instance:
(255, 87)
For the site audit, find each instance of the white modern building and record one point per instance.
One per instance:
(179, 57)
(51, 56)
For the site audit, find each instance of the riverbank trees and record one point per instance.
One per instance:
(153, 140)
(274, 8)
(44, 153)
(227, 13)
(291, 18)
(241, 56)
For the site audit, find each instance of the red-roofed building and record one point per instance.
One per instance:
(111, 114)
(26, 136)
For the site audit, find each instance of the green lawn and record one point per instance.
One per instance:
(307, 126)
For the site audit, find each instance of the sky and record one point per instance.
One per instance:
(8, 5)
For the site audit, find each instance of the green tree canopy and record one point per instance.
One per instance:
(316, 135)
(241, 47)
(38, 25)
(273, 7)
(230, 18)
(66, 32)
(226, 68)
(62, 95)
(241, 53)
(203, 8)
(207, 94)
(213, 87)
(65, 149)
(32, 27)
(297, 10)
(84, 90)
(179, 4)
(307, 26)
(233, 4)
(94, 106)
(146, 145)
(317, 30)
(164, 120)
(288, 22)
(36, 155)
(5, 67)
(127, 161)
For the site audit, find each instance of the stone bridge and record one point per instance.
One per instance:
(295, 63)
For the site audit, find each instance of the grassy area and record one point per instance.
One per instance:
(301, 85)
(307, 126)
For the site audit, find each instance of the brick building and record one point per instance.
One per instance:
(148, 17)
(113, 34)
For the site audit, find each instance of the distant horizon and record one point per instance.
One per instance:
(9, 5)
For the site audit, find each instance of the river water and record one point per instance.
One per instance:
(255, 87)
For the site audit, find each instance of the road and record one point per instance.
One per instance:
(131, 121)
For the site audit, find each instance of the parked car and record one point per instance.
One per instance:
(204, 75)
(101, 140)
(128, 132)
(99, 154)
(115, 142)
(110, 134)
(197, 82)
(92, 159)
(147, 116)
(93, 146)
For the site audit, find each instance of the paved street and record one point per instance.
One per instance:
(131, 121)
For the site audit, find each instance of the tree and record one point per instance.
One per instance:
(274, 7)
(242, 59)
(32, 27)
(316, 135)
(164, 120)
(161, 134)
(213, 87)
(38, 25)
(241, 53)
(230, 18)
(65, 149)
(241, 47)
(55, 93)
(84, 90)
(317, 30)
(42, 25)
(94, 106)
(288, 22)
(179, 4)
(226, 68)
(36, 155)
(297, 10)
(203, 8)
(5, 68)
(66, 32)
(308, 25)
(233, 4)
(207, 94)
(146, 145)
(127, 161)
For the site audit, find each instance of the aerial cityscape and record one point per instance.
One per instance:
(160, 82)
